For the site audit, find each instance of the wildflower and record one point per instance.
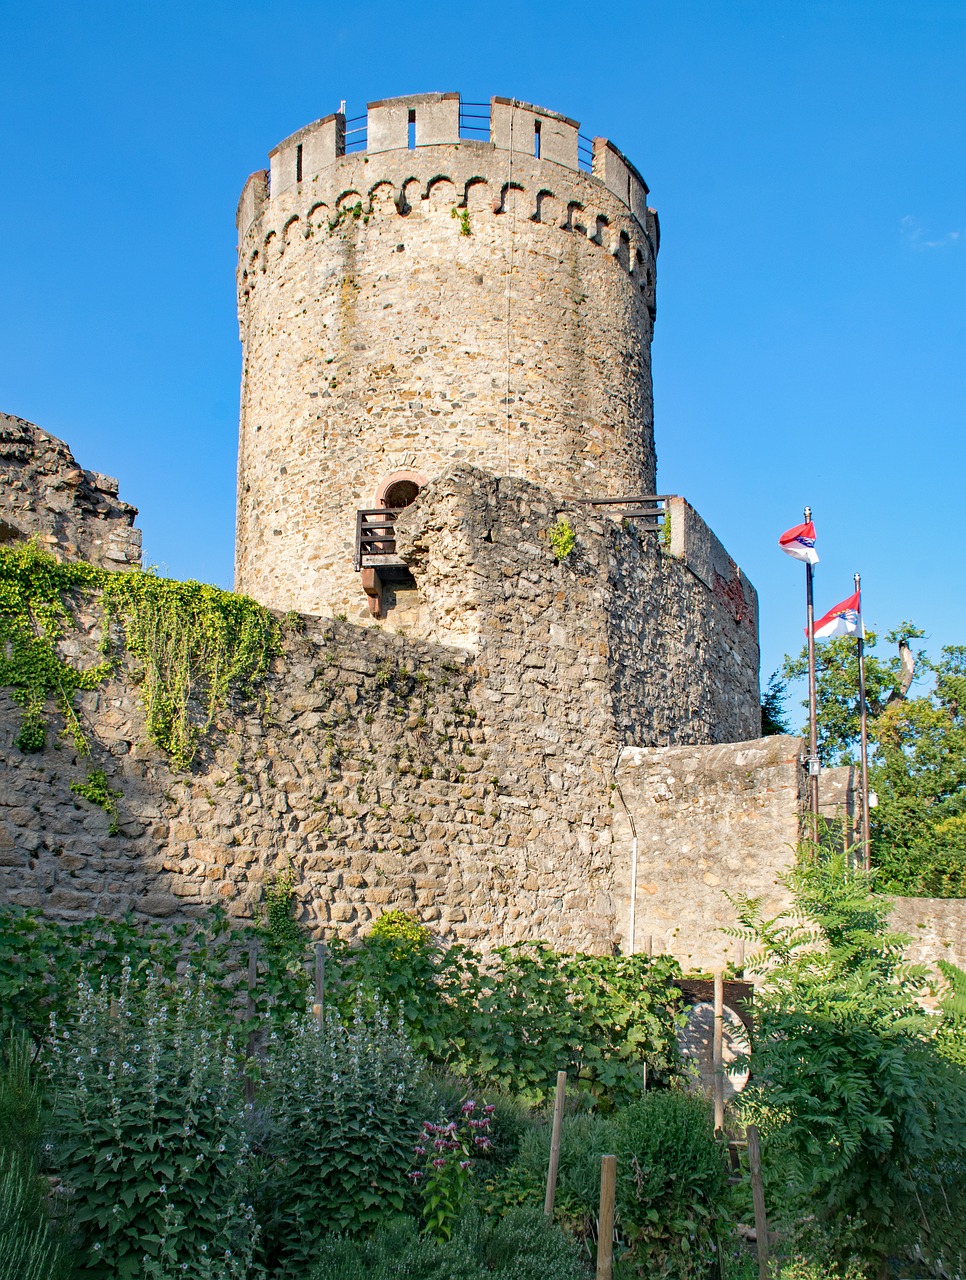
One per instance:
(420, 1151)
(438, 1163)
(414, 1175)
(465, 1164)
(489, 1108)
(468, 1108)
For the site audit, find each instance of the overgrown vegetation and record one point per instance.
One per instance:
(862, 1112)
(402, 1129)
(193, 647)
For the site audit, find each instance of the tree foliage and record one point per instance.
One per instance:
(917, 753)
(863, 1119)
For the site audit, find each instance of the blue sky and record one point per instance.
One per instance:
(808, 161)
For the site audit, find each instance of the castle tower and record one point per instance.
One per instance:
(438, 282)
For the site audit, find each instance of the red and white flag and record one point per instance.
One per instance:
(843, 619)
(800, 543)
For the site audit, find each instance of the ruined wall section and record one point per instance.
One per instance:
(379, 336)
(708, 820)
(676, 647)
(45, 494)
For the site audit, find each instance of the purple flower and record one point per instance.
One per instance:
(438, 1164)
(420, 1151)
(464, 1164)
(482, 1142)
(489, 1108)
(414, 1175)
(468, 1108)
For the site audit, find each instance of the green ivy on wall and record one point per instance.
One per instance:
(193, 646)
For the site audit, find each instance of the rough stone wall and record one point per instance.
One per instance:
(707, 820)
(936, 928)
(378, 337)
(473, 783)
(45, 494)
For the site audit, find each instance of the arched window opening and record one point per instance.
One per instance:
(401, 493)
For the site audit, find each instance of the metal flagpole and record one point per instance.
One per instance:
(812, 701)
(864, 738)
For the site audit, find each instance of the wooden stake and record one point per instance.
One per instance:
(605, 1221)
(318, 1008)
(558, 1108)
(758, 1196)
(716, 1052)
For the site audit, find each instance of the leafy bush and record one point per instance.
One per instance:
(150, 1136)
(672, 1187)
(524, 1245)
(951, 1037)
(526, 1012)
(344, 1106)
(863, 1123)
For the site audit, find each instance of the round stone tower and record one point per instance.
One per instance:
(437, 282)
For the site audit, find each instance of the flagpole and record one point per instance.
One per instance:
(812, 698)
(863, 738)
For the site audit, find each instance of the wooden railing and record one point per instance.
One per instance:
(376, 537)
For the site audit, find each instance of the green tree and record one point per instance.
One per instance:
(863, 1120)
(917, 753)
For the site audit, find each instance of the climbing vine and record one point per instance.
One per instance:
(193, 645)
(97, 790)
(34, 588)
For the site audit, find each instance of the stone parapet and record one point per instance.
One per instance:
(429, 119)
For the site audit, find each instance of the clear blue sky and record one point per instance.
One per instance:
(807, 159)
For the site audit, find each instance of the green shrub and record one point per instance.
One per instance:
(584, 1139)
(672, 1187)
(863, 1123)
(562, 538)
(149, 1131)
(524, 1245)
(343, 1102)
(517, 1017)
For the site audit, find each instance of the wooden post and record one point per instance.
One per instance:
(740, 955)
(716, 1052)
(605, 1221)
(558, 1108)
(318, 1008)
(758, 1196)
(250, 1012)
(648, 945)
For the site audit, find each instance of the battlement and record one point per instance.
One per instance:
(443, 119)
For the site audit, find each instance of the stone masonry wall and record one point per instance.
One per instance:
(708, 820)
(473, 784)
(45, 494)
(406, 310)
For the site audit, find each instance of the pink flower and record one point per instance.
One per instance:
(489, 1108)
(464, 1164)
(414, 1174)
(420, 1151)
(482, 1142)
(438, 1164)
(468, 1108)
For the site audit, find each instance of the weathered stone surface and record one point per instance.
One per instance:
(44, 493)
(936, 928)
(708, 820)
(407, 309)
